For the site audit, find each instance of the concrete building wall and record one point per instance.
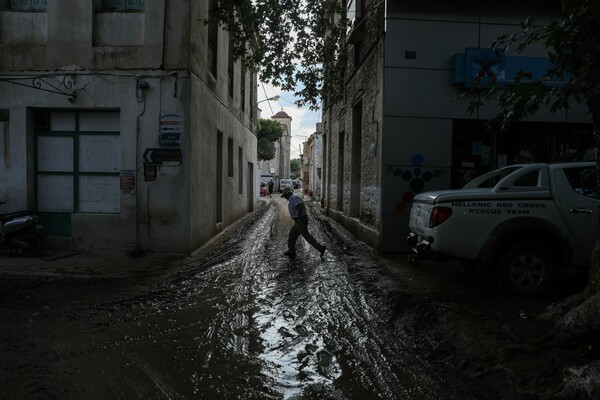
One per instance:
(93, 39)
(238, 195)
(400, 74)
(420, 101)
(141, 66)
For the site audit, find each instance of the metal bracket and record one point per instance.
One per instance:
(64, 87)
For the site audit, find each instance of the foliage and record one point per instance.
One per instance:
(268, 131)
(297, 45)
(572, 46)
(295, 168)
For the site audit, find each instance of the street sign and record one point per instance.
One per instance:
(171, 129)
(163, 157)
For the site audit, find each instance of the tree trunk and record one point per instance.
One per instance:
(583, 310)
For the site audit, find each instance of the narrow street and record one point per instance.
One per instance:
(241, 320)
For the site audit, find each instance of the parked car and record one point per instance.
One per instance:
(283, 183)
(296, 184)
(518, 224)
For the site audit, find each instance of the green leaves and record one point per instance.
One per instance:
(573, 50)
(268, 131)
(293, 44)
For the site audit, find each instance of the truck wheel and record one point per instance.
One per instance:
(527, 269)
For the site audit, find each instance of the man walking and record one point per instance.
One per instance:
(271, 184)
(298, 213)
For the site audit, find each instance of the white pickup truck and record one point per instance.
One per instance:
(519, 224)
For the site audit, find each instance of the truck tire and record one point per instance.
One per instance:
(527, 268)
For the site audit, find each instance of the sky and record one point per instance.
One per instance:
(303, 119)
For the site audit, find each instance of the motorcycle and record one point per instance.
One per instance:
(22, 233)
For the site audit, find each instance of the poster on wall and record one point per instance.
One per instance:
(171, 129)
(127, 181)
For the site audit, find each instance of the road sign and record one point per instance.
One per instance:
(163, 156)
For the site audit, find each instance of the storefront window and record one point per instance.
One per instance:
(476, 150)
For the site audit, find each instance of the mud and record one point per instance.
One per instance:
(240, 320)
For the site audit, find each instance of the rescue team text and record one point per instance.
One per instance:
(491, 211)
(497, 208)
(498, 205)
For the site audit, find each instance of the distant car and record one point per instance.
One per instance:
(283, 183)
(264, 189)
(296, 184)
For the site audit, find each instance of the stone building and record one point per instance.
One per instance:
(124, 124)
(312, 159)
(282, 147)
(400, 129)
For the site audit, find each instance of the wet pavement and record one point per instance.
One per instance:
(237, 320)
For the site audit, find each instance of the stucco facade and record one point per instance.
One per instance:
(400, 129)
(120, 129)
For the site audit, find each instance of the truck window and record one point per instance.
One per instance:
(530, 179)
(583, 181)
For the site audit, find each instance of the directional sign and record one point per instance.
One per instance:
(171, 129)
(163, 156)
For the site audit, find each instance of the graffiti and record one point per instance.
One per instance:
(417, 177)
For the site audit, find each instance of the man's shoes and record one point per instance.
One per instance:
(289, 254)
(322, 251)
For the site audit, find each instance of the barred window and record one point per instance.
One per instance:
(124, 5)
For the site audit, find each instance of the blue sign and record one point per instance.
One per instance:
(491, 68)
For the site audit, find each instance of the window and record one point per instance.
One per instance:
(583, 181)
(230, 64)
(213, 41)
(243, 89)
(240, 170)
(4, 154)
(219, 178)
(28, 5)
(78, 162)
(230, 157)
(354, 11)
(252, 97)
(530, 179)
(356, 159)
(123, 5)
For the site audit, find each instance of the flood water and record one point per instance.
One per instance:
(241, 322)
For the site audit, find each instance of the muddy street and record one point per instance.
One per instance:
(239, 321)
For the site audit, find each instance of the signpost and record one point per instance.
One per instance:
(171, 129)
(163, 157)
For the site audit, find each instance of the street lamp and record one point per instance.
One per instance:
(274, 98)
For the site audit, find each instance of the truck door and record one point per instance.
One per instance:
(578, 194)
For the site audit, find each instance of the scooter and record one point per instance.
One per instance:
(22, 233)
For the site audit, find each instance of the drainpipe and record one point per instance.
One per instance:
(140, 86)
